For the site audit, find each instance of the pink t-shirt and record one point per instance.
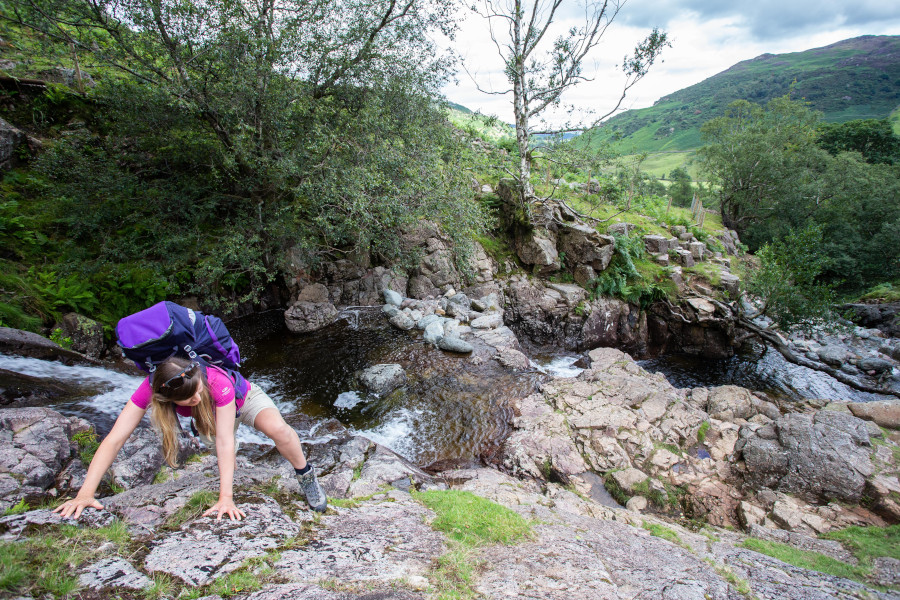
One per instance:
(221, 388)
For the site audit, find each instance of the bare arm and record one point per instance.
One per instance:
(109, 448)
(225, 416)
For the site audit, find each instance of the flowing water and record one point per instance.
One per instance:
(758, 370)
(451, 412)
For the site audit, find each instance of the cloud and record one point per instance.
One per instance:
(767, 19)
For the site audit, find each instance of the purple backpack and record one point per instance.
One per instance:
(166, 329)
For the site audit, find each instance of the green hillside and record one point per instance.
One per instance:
(853, 79)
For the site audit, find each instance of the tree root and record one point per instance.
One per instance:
(773, 339)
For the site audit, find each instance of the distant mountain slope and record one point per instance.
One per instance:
(853, 79)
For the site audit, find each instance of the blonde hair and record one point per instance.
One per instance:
(163, 416)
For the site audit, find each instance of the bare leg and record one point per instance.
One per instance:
(270, 422)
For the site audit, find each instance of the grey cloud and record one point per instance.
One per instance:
(765, 19)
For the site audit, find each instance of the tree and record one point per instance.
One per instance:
(230, 131)
(681, 190)
(541, 70)
(873, 138)
(763, 160)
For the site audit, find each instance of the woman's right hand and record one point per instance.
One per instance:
(73, 508)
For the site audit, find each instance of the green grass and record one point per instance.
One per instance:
(235, 583)
(806, 559)
(453, 576)
(661, 531)
(87, 445)
(867, 543)
(194, 507)
(17, 509)
(701, 433)
(883, 292)
(472, 520)
(47, 565)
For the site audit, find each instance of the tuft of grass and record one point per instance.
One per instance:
(883, 292)
(453, 575)
(87, 445)
(661, 531)
(194, 507)
(806, 559)
(472, 520)
(17, 509)
(163, 586)
(741, 585)
(235, 582)
(701, 433)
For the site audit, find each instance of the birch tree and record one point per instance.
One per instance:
(540, 69)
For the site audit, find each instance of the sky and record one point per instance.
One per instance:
(707, 37)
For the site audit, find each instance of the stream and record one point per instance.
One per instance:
(451, 413)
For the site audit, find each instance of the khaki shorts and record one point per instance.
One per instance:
(255, 402)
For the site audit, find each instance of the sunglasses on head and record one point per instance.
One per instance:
(176, 382)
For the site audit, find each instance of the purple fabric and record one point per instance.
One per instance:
(215, 340)
(150, 324)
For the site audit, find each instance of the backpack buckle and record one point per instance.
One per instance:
(190, 351)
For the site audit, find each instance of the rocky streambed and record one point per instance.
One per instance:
(742, 465)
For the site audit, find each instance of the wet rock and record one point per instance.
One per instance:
(513, 359)
(304, 317)
(833, 355)
(824, 456)
(113, 573)
(393, 298)
(458, 305)
(11, 139)
(454, 344)
(383, 379)
(25, 343)
(402, 321)
(885, 413)
(18, 390)
(86, 334)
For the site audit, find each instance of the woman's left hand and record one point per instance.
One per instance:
(226, 506)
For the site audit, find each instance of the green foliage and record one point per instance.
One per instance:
(632, 278)
(883, 292)
(87, 445)
(702, 431)
(474, 521)
(454, 576)
(17, 509)
(56, 336)
(681, 190)
(873, 138)
(773, 179)
(786, 281)
(661, 531)
(235, 583)
(867, 543)
(185, 179)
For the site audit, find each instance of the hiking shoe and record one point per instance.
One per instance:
(315, 495)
